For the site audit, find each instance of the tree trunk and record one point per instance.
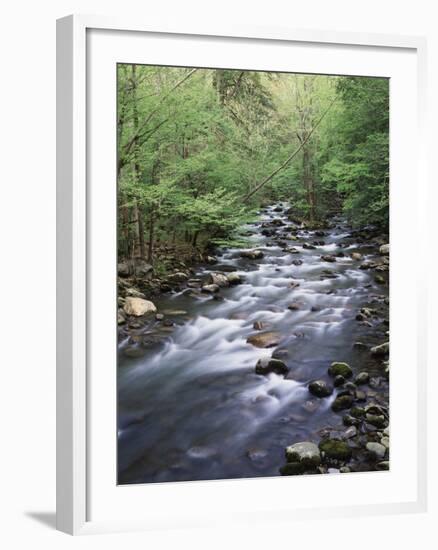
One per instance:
(151, 237)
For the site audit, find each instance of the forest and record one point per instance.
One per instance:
(253, 288)
(199, 150)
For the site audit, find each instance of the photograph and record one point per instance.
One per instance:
(253, 274)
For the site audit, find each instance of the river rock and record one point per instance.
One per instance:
(377, 420)
(376, 449)
(349, 420)
(305, 453)
(264, 339)
(295, 306)
(356, 256)
(252, 254)
(338, 380)
(362, 378)
(120, 317)
(351, 432)
(384, 465)
(335, 449)
(134, 292)
(340, 368)
(259, 325)
(138, 306)
(210, 289)
(308, 246)
(292, 469)
(319, 388)
(218, 279)
(384, 250)
(381, 350)
(234, 278)
(328, 258)
(265, 365)
(178, 277)
(342, 402)
(136, 266)
(297, 262)
(379, 279)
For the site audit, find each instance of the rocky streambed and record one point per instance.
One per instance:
(263, 361)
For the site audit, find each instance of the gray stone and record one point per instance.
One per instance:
(138, 306)
(376, 449)
(267, 365)
(218, 279)
(384, 249)
(305, 453)
(234, 278)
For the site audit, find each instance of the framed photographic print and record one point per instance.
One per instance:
(239, 334)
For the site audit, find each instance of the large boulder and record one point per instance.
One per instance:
(319, 388)
(138, 306)
(305, 453)
(267, 365)
(264, 339)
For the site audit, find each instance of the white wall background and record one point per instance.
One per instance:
(27, 217)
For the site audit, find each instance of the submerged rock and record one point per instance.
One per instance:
(267, 365)
(319, 388)
(264, 339)
(138, 306)
(339, 368)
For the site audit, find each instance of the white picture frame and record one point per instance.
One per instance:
(75, 217)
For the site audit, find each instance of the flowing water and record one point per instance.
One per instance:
(193, 407)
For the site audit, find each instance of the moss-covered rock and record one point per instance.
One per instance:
(342, 402)
(304, 452)
(335, 449)
(319, 388)
(342, 369)
(292, 469)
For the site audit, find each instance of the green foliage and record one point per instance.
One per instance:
(193, 142)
